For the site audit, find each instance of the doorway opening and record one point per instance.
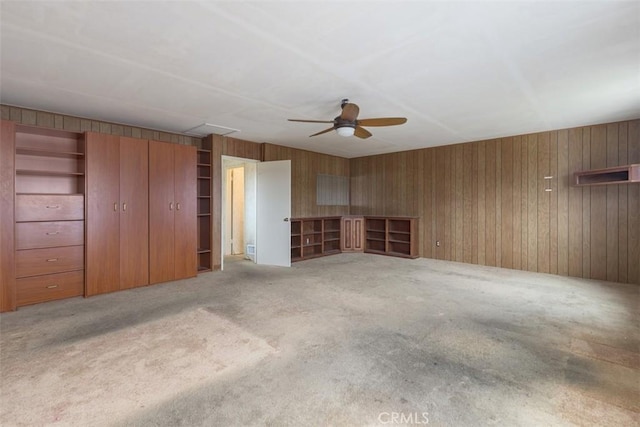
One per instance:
(238, 209)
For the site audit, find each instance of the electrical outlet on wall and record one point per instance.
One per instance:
(438, 243)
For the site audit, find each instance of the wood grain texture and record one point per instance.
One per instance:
(214, 143)
(599, 206)
(186, 226)
(623, 207)
(544, 203)
(161, 212)
(506, 227)
(586, 206)
(103, 214)
(49, 207)
(7, 189)
(36, 262)
(575, 206)
(491, 208)
(633, 242)
(553, 203)
(32, 290)
(495, 189)
(33, 235)
(612, 206)
(134, 212)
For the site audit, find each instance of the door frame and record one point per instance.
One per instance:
(228, 162)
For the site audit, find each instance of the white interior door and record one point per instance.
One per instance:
(273, 208)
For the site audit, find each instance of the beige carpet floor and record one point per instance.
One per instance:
(351, 339)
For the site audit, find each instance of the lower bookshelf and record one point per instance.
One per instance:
(314, 237)
(395, 236)
(321, 236)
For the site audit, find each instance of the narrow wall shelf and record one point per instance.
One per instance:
(613, 175)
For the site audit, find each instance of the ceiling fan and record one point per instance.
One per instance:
(347, 123)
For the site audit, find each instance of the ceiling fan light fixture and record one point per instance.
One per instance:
(345, 131)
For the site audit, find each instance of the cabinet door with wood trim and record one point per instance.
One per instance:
(117, 213)
(102, 213)
(352, 232)
(172, 217)
(161, 212)
(186, 226)
(7, 182)
(134, 212)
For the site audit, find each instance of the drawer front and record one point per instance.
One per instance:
(32, 290)
(31, 235)
(49, 207)
(34, 262)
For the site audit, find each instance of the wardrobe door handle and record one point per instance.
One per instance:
(115, 207)
(170, 206)
(124, 207)
(177, 206)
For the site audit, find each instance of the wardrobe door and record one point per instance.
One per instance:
(7, 184)
(134, 212)
(161, 212)
(186, 226)
(102, 213)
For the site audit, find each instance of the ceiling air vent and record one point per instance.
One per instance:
(208, 128)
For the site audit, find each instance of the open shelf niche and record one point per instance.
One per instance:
(204, 206)
(613, 175)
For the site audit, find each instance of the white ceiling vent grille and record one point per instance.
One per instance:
(209, 128)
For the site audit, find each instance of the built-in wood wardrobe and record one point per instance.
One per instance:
(90, 213)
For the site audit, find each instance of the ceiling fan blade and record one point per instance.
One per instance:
(361, 132)
(384, 121)
(321, 132)
(311, 121)
(350, 112)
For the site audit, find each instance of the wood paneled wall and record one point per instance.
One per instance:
(46, 119)
(305, 167)
(485, 202)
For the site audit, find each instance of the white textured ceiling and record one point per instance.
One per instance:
(459, 71)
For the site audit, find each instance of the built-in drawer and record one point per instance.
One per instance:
(49, 207)
(32, 235)
(31, 290)
(35, 262)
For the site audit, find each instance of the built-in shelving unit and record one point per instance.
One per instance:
(395, 236)
(331, 236)
(613, 175)
(314, 237)
(49, 208)
(49, 161)
(204, 207)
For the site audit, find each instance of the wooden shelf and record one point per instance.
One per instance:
(398, 238)
(314, 237)
(48, 153)
(204, 207)
(613, 175)
(49, 170)
(46, 173)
